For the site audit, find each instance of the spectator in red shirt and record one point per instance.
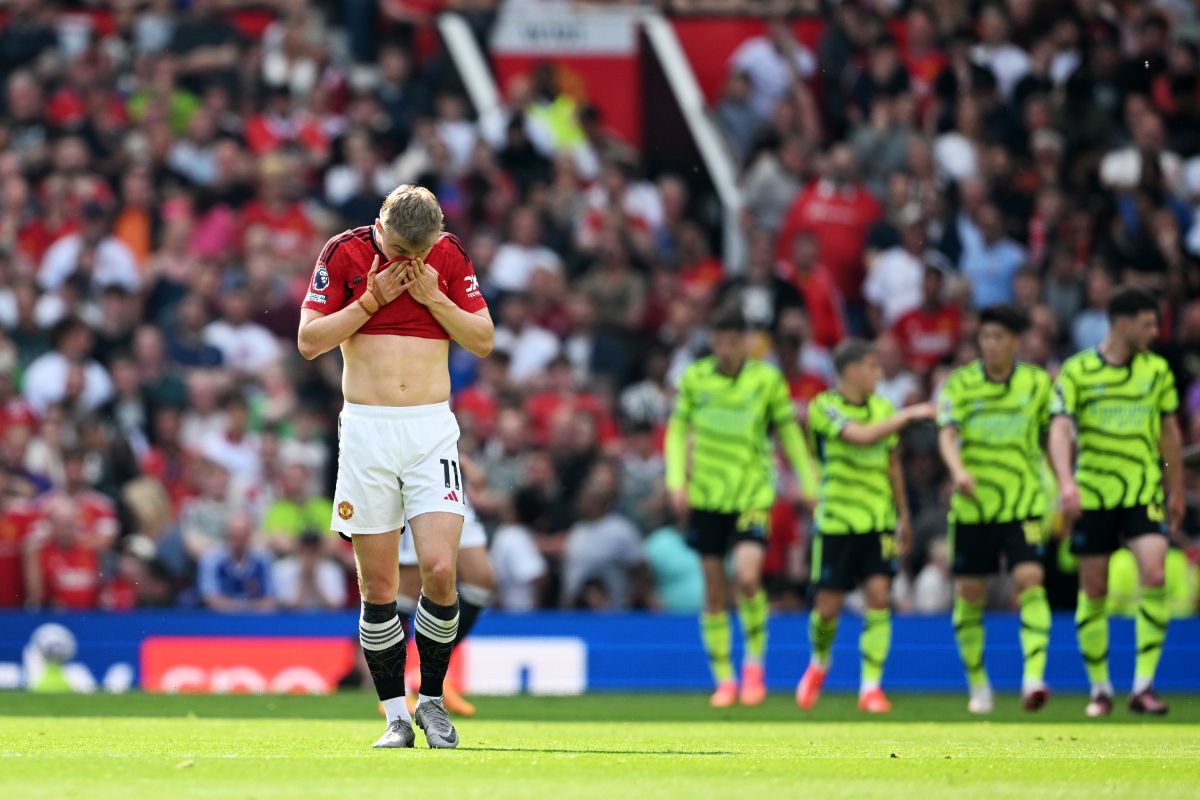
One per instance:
(95, 514)
(922, 58)
(560, 398)
(16, 523)
(63, 573)
(929, 333)
(838, 211)
(281, 124)
(278, 211)
(821, 295)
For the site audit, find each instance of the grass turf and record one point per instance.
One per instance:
(598, 746)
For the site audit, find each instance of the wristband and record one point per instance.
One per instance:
(370, 309)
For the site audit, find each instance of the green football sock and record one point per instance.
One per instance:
(821, 634)
(1091, 628)
(718, 643)
(753, 613)
(1151, 629)
(1035, 633)
(969, 633)
(873, 645)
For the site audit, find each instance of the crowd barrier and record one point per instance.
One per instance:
(543, 653)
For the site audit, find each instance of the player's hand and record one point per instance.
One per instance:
(1069, 494)
(919, 412)
(904, 534)
(386, 284)
(421, 281)
(678, 499)
(964, 484)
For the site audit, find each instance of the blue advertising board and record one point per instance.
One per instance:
(542, 653)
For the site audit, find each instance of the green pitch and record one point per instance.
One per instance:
(608, 747)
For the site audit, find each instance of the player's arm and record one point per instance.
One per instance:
(950, 414)
(1062, 458)
(950, 448)
(676, 445)
(792, 439)
(320, 332)
(900, 497)
(1170, 447)
(857, 433)
(1061, 443)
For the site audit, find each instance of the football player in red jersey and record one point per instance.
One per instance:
(392, 295)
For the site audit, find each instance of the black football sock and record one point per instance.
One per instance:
(437, 628)
(384, 645)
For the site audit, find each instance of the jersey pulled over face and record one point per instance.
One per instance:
(730, 418)
(340, 278)
(1118, 411)
(1000, 428)
(856, 484)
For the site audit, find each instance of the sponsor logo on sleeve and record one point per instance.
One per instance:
(316, 297)
(321, 279)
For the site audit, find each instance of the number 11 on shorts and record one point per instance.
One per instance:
(448, 467)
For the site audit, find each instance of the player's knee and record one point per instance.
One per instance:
(437, 577)
(378, 588)
(970, 590)
(1027, 576)
(828, 605)
(1152, 575)
(748, 585)
(1094, 587)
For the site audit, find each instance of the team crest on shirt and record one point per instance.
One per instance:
(321, 279)
(345, 510)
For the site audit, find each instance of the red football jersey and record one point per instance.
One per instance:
(340, 278)
(71, 577)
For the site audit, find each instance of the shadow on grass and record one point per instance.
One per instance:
(589, 751)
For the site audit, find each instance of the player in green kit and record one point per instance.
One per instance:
(1118, 402)
(727, 406)
(861, 509)
(993, 414)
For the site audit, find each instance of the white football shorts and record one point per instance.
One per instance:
(395, 462)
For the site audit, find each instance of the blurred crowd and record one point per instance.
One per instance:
(170, 170)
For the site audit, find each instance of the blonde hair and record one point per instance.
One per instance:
(412, 214)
